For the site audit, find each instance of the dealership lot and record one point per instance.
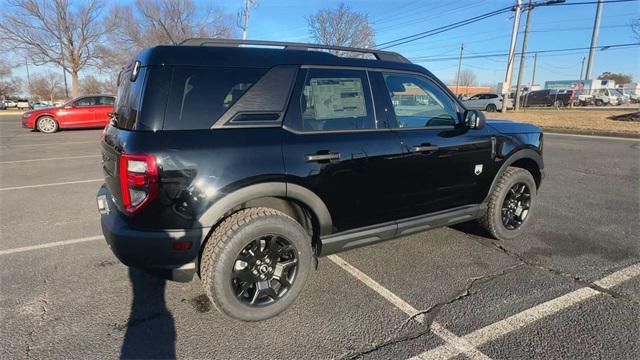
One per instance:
(569, 288)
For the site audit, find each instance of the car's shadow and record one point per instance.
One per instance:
(151, 332)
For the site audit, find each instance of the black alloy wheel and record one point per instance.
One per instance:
(516, 206)
(264, 271)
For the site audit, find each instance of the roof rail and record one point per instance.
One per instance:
(379, 54)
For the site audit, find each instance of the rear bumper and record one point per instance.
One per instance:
(150, 250)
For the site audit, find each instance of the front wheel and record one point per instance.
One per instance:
(599, 102)
(256, 263)
(510, 204)
(47, 125)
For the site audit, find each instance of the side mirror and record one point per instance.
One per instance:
(474, 119)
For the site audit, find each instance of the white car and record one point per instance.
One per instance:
(23, 104)
(486, 101)
(10, 104)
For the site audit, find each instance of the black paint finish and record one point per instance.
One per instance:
(346, 180)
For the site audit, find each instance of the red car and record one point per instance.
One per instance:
(82, 112)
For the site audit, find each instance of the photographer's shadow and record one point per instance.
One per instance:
(151, 332)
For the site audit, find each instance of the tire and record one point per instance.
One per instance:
(491, 108)
(493, 220)
(47, 125)
(558, 104)
(599, 102)
(240, 236)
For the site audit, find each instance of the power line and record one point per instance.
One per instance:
(486, 55)
(458, 24)
(423, 34)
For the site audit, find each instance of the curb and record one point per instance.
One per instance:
(592, 132)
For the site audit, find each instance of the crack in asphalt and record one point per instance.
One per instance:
(432, 311)
(44, 302)
(574, 278)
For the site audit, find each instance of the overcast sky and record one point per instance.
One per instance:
(552, 28)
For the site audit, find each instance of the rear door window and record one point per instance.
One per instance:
(199, 96)
(336, 99)
(127, 104)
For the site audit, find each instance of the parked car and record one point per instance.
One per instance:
(487, 102)
(243, 163)
(82, 112)
(10, 104)
(40, 105)
(2, 105)
(603, 97)
(556, 98)
(633, 96)
(23, 104)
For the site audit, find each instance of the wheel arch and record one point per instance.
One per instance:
(294, 200)
(40, 116)
(527, 159)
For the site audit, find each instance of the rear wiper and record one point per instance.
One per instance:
(114, 117)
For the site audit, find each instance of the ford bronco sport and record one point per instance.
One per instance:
(242, 164)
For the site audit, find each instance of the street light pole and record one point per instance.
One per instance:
(582, 68)
(512, 49)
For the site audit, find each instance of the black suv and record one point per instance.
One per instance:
(242, 164)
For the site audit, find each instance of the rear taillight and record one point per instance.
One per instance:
(138, 181)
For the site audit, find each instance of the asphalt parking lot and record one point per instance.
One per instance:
(569, 288)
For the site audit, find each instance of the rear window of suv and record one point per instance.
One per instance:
(199, 96)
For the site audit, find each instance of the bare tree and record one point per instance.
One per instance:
(467, 78)
(55, 32)
(47, 86)
(341, 27)
(148, 23)
(9, 86)
(92, 85)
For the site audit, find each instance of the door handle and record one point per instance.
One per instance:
(423, 148)
(322, 157)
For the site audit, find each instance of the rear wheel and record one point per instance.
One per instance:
(47, 125)
(510, 204)
(491, 108)
(256, 263)
(599, 102)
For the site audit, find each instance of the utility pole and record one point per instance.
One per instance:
(582, 68)
(523, 55)
(506, 89)
(64, 72)
(533, 75)
(245, 14)
(459, 65)
(594, 40)
(26, 63)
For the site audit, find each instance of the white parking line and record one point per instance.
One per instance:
(50, 245)
(520, 320)
(50, 184)
(592, 136)
(48, 159)
(97, 142)
(454, 343)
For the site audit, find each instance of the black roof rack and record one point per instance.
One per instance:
(379, 54)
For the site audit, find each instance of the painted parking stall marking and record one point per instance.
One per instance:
(518, 321)
(49, 159)
(50, 184)
(50, 245)
(454, 344)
